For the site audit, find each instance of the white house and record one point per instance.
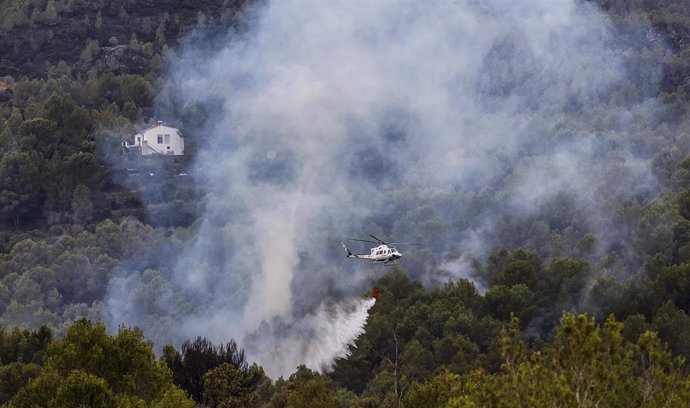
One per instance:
(159, 139)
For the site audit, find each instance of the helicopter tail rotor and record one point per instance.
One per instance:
(349, 253)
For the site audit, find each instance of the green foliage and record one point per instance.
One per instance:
(88, 367)
(520, 267)
(434, 393)
(55, 30)
(20, 178)
(21, 354)
(587, 365)
(41, 392)
(412, 334)
(566, 279)
(673, 325)
(503, 301)
(207, 372)
(14, 376)
(126, 361)
(305, 389)
(57, 280)
(227, 386)
(24, 346)
(173, 398)
(673, 284)
(82, 206)
(83, 389)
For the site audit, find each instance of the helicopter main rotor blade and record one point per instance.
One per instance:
(362, 240)
(379, 239)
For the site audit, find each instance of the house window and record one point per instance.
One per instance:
(160, 139)
(166, 139)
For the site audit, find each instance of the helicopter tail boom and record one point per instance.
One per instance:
(356, 256)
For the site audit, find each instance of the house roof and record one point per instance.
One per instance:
(157, 126)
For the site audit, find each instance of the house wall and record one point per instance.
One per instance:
(169, 142)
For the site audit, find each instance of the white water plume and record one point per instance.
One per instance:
(315, 340)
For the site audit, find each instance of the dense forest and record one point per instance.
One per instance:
(557, 314)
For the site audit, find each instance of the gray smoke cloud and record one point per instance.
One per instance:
(430, 121)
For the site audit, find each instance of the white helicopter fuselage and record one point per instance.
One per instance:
(382, 253)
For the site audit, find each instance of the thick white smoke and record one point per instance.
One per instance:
(416, 120)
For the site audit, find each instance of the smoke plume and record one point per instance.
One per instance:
(433, 121)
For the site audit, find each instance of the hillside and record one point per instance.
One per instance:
(542, 162)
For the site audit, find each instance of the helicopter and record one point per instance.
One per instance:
(385, 253)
